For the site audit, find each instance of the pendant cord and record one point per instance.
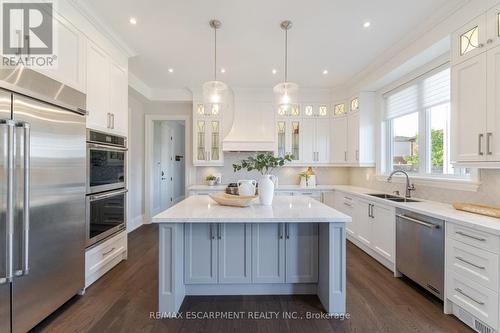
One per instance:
(215, 55)
(286, 55)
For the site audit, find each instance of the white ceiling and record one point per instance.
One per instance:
(327, 34)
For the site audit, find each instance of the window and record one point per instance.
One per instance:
(417, 119)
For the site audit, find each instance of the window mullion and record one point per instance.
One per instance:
(422, 133)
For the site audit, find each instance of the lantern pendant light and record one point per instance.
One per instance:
(286, 92)
(215, 92)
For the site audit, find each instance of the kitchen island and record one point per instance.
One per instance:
(295, 246)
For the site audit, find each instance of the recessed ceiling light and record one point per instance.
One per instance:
(133, 21)
(222, 70)
(274, 71)
(170, 70)
(367, 24)
(325, 71)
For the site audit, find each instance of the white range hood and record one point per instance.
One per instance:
(253, 127)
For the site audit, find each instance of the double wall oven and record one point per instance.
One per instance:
(106, 185)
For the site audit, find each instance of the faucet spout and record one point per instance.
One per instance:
(409, 187)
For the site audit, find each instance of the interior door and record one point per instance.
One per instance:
(56, 242)
(5, 113)
(469, 107)
(166, 176)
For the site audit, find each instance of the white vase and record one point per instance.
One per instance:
(266, 190)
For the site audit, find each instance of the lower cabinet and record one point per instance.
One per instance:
(241, 253)
(301, 249)
(373, 225)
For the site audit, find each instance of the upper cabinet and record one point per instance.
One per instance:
(479, 35)
(207, 129)
(475, 92)
(289, 138)
(70, 55)
(107, 92)
(353, 131)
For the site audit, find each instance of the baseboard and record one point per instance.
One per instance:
(135, 223)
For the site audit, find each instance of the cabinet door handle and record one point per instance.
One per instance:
(369, 210)
(470, 236)
(480, 144)
(287, 231)
(488, 143)
(280, 231)
(470, 263)
(489, 41)
(469, 297)
(219, 231)
(109, 121)
(108, 252)
(345, 156)
(212, 236)
(357, 155)
(113, 121)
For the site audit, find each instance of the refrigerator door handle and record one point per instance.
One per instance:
(9, 216)
(26, 197)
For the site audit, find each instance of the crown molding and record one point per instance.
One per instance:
(90, 15)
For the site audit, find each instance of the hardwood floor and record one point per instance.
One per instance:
(122, 300)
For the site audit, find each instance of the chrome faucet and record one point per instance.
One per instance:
(409, 187)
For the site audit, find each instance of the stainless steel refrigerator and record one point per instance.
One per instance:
(42, 197)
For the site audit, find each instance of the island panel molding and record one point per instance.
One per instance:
(299, 223)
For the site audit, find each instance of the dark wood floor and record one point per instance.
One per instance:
(122, 300)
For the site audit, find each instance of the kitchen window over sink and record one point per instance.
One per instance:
(417, 127)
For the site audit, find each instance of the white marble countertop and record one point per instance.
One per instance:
(298, 209)
(431, 208)
(215, 188)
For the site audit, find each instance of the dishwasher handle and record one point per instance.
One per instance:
(411, 219)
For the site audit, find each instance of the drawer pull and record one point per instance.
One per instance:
(106, 253)
(469, 297)
(347, 204)
(470, 236)
(470, 263)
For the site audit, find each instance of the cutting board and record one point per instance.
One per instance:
(478, 209)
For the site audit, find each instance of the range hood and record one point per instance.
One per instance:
(253, 127)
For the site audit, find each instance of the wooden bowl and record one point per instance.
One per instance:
(225, 199)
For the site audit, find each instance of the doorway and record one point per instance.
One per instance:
(168, 167)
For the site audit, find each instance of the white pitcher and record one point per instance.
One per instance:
(246, 187)
(266, 189)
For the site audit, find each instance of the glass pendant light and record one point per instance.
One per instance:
(286, 92)
(215, 92)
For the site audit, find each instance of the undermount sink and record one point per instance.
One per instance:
(392, 198)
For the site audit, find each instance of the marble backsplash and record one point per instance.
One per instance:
(286, 175)
(487, 194)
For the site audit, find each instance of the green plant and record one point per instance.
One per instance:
(264, 163)
(210, 178)
(305, 174)
(437, 149)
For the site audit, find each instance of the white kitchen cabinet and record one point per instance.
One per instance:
(107, 92)
(200, 249)
(316, 140)
(468, 93)
(235, 256)
(289, 138)
(353, 131)
(97, 88)
(383, 231)
(492, 139)
(346, 204)
(493, 29)
(268, 253)
(470, 40)
(362, 214)
(118, 98)
(69, 66)
(301, 250)
(207, 141)
(338, 141)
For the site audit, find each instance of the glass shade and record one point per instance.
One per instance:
(286, 94)
(215, 92)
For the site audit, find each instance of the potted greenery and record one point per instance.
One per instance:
(265, 164)
(211, 180)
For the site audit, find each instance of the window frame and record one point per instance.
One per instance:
(425, 175)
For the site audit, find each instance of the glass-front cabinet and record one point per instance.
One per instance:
(288, 138)
(339, 109)
(207, 129)
(315, 110)
(474, 37)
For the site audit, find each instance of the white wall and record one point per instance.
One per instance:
(137, 106)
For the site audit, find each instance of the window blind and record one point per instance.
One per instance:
(422, 93)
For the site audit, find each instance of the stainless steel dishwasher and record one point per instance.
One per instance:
(420, 250)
